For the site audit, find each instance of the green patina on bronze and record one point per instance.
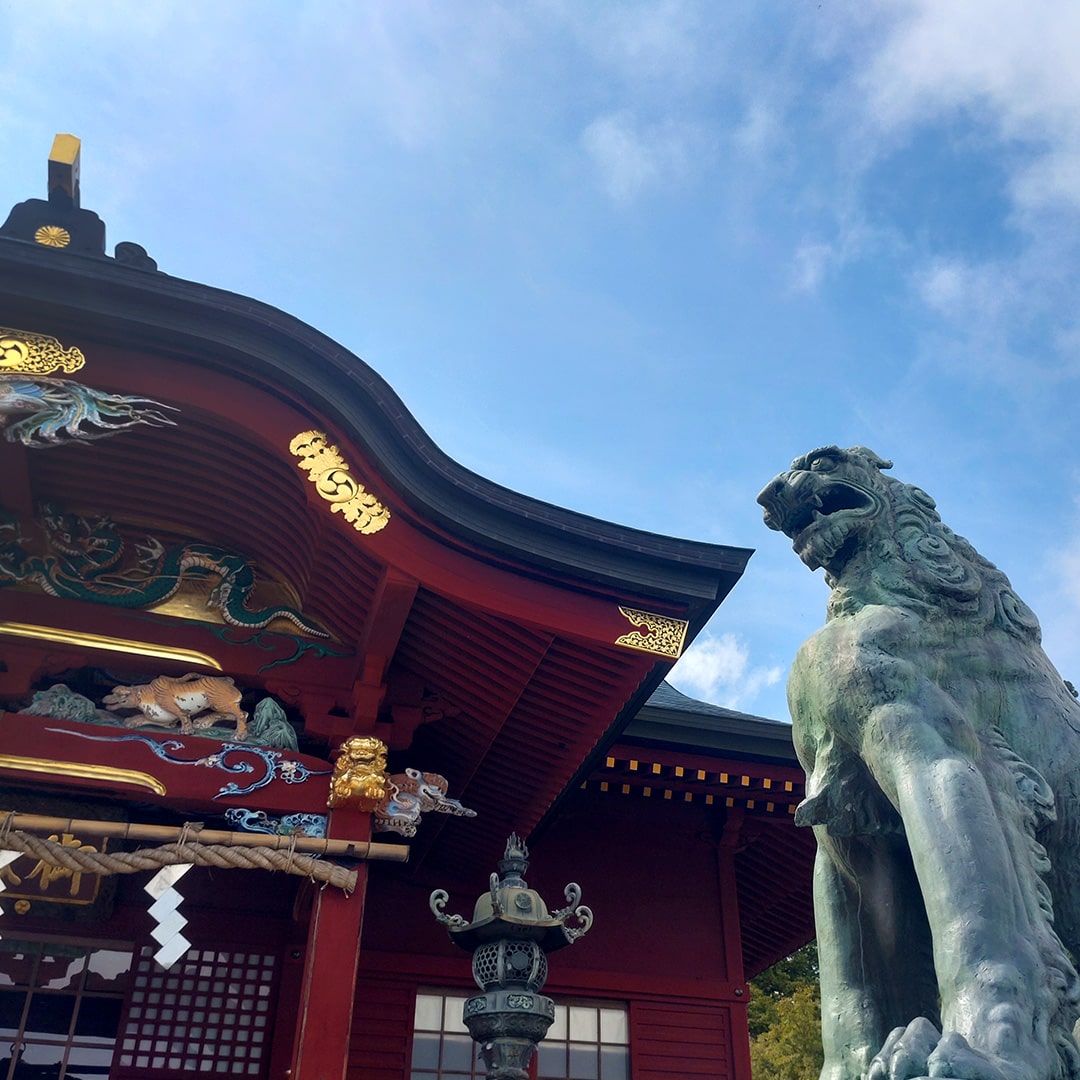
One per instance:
(942, 752)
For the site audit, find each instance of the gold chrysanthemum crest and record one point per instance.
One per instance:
(659, 634)
(35, 354)
(330, 474)
(55, 236)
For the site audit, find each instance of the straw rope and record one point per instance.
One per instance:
(225, 857)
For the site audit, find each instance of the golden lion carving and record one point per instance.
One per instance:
(359, 778)
(942, 753)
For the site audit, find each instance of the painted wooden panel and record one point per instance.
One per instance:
(382, 1029)
(669, 1039)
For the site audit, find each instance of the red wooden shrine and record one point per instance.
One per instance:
(512, 648)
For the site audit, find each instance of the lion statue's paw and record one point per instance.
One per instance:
(921, 1052)
(906, 1052)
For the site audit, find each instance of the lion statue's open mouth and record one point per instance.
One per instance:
(819, 502)
(942, 753)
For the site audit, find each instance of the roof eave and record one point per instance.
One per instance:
(44, 290)
(745, 736)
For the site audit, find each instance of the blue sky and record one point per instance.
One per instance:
(632, 258)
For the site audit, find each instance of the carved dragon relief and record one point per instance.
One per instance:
(411, 794)
(87, 559)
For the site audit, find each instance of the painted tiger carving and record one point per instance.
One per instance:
(183, 701)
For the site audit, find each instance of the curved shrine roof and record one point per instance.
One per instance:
(481, 633)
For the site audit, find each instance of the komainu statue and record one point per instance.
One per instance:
(942, 753)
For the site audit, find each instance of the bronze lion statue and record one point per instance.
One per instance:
(942, 753)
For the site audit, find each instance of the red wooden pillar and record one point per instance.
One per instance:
(324, 1022)
(729, 915)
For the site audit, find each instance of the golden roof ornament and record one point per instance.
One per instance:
(35, 354)
(334, 482)
(64, 170)
(58, 223)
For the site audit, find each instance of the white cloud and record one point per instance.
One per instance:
(994, 310)
(759, 130)
(958, 289)
(1011, 66)
(999, 80)
(815, 259)
(1059, 606)
(812, 262)
(664, 42)
(717, 668)
(630, 158)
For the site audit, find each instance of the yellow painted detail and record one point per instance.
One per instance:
(84, 771)
(111, 644)
(657, 634)
(54, 236)
(65, 149)
(36, 354)
(330, 474)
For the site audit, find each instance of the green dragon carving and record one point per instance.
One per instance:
(86, 555)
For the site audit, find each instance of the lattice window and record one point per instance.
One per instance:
(59, 1009)
(443, 1049)
(586, 1042)
(209, 1014)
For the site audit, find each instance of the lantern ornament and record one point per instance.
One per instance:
(510, 935)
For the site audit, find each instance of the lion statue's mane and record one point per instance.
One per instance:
(942, 752)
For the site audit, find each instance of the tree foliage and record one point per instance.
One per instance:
(785, 1019)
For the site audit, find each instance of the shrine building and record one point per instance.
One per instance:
(274, 668)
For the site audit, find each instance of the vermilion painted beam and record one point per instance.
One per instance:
(383, 627)
(48, 753)
(690, 759)
(390, 608)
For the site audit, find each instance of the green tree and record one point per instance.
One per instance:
(785, 1019)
